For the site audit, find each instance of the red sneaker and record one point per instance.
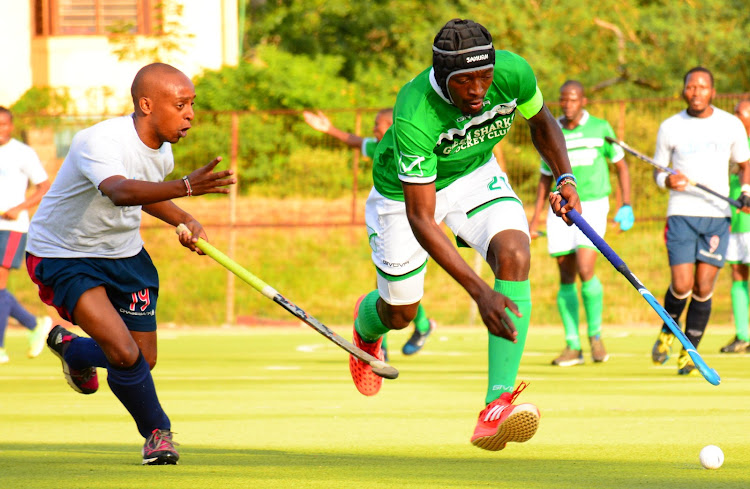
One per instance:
(502, 421)
(364, 379)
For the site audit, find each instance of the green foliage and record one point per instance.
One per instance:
(275, 79)
(631, 48)
(40, 107)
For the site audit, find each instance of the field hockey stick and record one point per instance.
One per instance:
(708, 373)
(378, 367)
(641, 156)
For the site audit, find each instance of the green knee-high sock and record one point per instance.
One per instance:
(592, 293)
(740, 305)
(504, 357)
(368, 323)
(421, 322)
(567, 304)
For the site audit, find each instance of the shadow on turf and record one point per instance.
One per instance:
(476, 469)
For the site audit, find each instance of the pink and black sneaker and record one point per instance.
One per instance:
(84, 381)
(159, 449)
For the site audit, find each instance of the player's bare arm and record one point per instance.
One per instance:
(744, 174)
(550, 143)
(321, 123)
(420, 210)
(172, 214)
(31, 201)
(123, 191)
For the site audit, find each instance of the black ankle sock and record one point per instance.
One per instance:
(697, 320)
(673, 306)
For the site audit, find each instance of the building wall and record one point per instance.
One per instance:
(15, 37)
(99, 82)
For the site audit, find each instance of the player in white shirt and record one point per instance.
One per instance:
(20, 168)
(700, 142)
(86, 255)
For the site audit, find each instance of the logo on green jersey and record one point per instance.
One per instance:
(411, 165)
(496, 129)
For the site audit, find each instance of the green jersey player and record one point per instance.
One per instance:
(738, 254)
(435, 164)
(423, 325)
(589, 153)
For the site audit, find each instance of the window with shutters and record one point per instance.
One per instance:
(95, 17)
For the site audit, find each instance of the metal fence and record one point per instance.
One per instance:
(277, 156)
(302, 183)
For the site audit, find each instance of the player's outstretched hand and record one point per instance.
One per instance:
(569, 193)
(189, 237)
(317, 121)
(492, 308)
(205, 180)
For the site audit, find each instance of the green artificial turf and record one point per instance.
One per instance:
(265, 408)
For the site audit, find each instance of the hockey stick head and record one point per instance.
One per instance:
(384, 370)
(711, 375)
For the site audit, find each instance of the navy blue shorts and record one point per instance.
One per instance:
(132, 285)
(690, 239)
(12, 248)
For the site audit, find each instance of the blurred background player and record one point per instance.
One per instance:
(436, 164)
(87, 257)
(575, 254)
(423, 325)
(19, 168)
(700, 142)
(738, 253)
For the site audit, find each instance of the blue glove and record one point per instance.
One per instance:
(625, 217)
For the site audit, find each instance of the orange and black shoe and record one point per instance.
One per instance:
(364, 379)
(85, 380)
(502, 421)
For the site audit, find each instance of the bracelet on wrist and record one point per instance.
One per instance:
(566, 181)
(745, 189)
(189, 189)
(564, 176)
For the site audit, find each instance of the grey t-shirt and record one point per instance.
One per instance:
(74, 219)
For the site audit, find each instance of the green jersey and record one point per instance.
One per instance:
(740, 220)
(588, 152)
(432, 141)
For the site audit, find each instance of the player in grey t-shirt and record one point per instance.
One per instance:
(94, 269)
(699, 142)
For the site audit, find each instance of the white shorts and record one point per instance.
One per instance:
(475, 207)
(739, 248)
(563, 239)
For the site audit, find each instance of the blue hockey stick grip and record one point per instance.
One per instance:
(708, 373)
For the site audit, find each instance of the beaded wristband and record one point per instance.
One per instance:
(566, 181)
(563, 176)
(187, 186)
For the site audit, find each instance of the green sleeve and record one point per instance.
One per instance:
(612, 151)
(417, 162)
(532, 107)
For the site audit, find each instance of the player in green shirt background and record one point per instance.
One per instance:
(423, 325)
(575, 253)
(435, 164)
(738, 253)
